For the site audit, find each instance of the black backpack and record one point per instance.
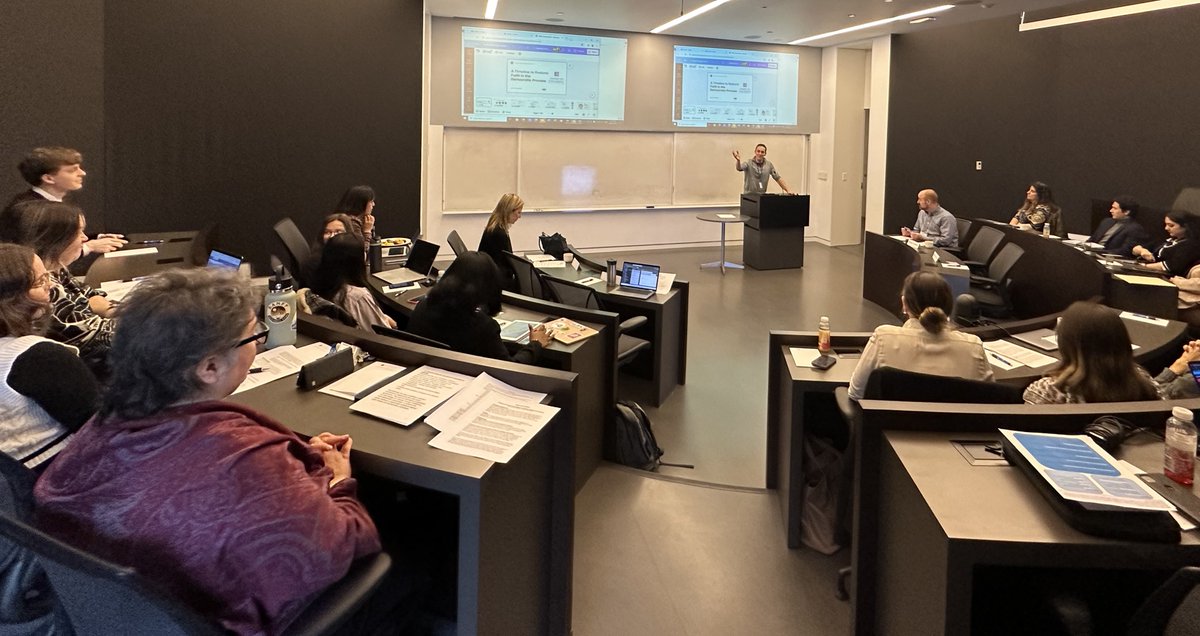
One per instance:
(631, 440)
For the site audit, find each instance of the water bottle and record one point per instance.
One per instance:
(612, 271)
(1046, 229)
(1179, 453)
(375, 256)
(823, 336)
(279, 310)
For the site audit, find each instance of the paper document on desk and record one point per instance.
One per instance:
(494, 428)
(350, 386)
(726, 216)
(803, 356)
(538, 258)
(665, 281)
(404, 400)
(1152, 281)
(483, 387)
(135, 252)
(550, 264)
(117, 290)
(281, 362)
(1024, 355)
(1079, 470)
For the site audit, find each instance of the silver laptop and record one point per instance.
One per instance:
(638, 280)
(420, 261)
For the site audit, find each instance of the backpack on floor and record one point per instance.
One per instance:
(631, 440)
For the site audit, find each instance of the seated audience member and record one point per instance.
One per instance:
(927, 342)
(358, 202)
(46, 392)
(1176, 381)
(80, 315)
(333, 225)
(235, 514)
(53, 173)
(1120, 233)
(495, 240)
(1189, 297)
(934, 223)
(1097, 362)
(458, 312)
(341, 278)
(1181, 250)
(1039, 209)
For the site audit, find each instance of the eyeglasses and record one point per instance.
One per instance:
(259, 337)
(41, 281)
(333, 233)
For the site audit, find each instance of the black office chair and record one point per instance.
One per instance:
(27, 603)
(585, 261)
(101, 597)
(409, 337)
(983, 248)
(991, 292)
(295, 247)
(203, 244)
(964, 231)
(1173, 609)
(576, 295)
(888, 383)
(456, 243)
(529, 279)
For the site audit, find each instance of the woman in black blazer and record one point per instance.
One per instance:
(495, 240)
(1181, 251)
(459, 312)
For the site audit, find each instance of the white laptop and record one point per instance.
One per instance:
(638, 280)
(420, 261)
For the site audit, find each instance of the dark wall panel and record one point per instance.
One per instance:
(245, 112)
(52, 76)
(1097, 109)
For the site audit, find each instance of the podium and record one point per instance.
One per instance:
(774, 234)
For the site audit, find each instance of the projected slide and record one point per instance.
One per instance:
(734, 89)
(530, 76)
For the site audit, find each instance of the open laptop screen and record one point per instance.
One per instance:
(639, 276)
(420, 259)
(217, 258)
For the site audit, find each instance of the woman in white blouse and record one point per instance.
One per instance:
(927, 342)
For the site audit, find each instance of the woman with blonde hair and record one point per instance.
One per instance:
(927, 342)
(495, 240)
(1097, 362)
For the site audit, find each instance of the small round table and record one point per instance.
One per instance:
(723, 218)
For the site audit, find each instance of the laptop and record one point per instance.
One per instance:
(420, 261)
(217, 258)
(638, 280)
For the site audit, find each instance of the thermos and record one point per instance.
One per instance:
(612, 271)
(375, 256)
(279, 310)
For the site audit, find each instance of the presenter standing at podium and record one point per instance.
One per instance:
(757, 171)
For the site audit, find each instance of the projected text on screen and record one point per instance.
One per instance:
(519, 76)
(734, 88)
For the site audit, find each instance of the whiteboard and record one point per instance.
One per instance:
(557, 169)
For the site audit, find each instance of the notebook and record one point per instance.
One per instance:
(217, 258)
(1040, 338)
(420, 261)
(638, 280)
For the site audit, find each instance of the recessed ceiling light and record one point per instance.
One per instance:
(869, 25)
(687, 16)
(751, 37)
(490, 11)
(920, 20)
(554, 20)
(849, 15)
(1114, 12)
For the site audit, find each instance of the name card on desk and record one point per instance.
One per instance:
(1161, 322)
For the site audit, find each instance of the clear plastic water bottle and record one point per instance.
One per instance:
(1179, 453)
(1046, 229)
(279, 310)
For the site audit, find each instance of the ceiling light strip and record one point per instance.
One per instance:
(870, 25)
(490, 11)
(1104, 14)
(691, 14)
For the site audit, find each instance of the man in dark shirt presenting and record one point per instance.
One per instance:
(53, 172)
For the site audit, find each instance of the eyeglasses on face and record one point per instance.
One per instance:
(259, 337)
(41, 281)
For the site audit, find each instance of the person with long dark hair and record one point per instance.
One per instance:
(495, 240)
(359, 203)
(341, 278)
(927, 342)
(459, 312)
(1180, 251)
(80, 316)
(1038, 209)
(216, 504)
(1097, 362)
(46, 392)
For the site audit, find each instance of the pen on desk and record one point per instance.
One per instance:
(257, 369)
(1004, 363)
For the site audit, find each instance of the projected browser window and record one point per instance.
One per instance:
(530, 76)
(734, 88)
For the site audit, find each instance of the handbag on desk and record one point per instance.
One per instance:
(555, 244)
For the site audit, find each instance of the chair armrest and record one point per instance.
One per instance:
(333, 607)
(976, 266)
(983, 281)
(847, 406)
(633, 323)
(957, 251)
